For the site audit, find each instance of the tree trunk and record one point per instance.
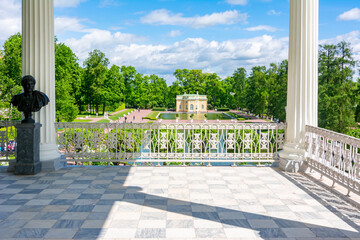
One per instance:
(104, 108)
(97, 109)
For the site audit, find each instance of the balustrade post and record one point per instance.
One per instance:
(302, 94)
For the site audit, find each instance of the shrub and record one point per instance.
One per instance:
(177, 115)
(354, 133)
(223, 109)
(159, 109)
(241, 119)
(120, 107)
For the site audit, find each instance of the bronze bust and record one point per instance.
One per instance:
(30, 100)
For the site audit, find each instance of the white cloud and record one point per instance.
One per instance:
(192, 53)
(67, 3)
(352, 37)
(353, 14)
(10, 19)
(273, 12)
(262, 28)
(165, 17)
(100, 39)
(174, 33)
(64, 24)
(237, 2)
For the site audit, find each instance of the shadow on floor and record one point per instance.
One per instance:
(103, 177)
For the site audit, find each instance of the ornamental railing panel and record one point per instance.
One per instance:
(7, 140)
(170, 142)
(334, 155)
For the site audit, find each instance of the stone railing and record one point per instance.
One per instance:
(7, 140)
(173, 142)
(334, 155)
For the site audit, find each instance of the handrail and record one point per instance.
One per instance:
(334, 155)
(170, 142)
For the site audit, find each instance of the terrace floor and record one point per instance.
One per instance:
(172, 202)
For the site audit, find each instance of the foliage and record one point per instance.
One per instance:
(159, 109)
(94, 81)
(120, 107)
(337, 91)
(354, 132)
(10, 72)
(67, 83)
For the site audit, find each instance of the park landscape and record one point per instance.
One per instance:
(122, 158)
(85, 93)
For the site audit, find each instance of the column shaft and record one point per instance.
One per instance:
(302, 94)
(38, 60)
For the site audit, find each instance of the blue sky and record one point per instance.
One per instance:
(159, 36)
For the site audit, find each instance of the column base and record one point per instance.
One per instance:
(292, 159)
(11, 167)
(50, 157)
(27, 168)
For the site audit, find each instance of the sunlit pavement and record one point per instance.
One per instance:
(172, 202)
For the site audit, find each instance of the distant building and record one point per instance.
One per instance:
(191, 103)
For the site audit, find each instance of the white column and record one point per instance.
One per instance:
(302, 91)
(38, 60)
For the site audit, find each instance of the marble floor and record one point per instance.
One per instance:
(172, 203)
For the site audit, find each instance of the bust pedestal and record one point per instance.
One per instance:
(27, 149)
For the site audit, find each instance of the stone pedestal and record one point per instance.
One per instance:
(28, 149)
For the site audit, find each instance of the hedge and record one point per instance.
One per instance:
(223, 109)
(158, 109)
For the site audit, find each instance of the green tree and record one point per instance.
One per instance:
(192, 81)
(10, 72)
(157, 91)
(67, 83)
(115, 86)
(215, 90)
(95, 74)
(256, 92)
(239, 87)
(337, 99)
(174, 89)
(129, 73)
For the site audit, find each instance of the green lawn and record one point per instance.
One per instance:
(103, 121)
(84, 114)
(82, 120)
(120, 114)
(152, 115)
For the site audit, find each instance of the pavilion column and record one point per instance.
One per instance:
(302, 90)
(38, 60)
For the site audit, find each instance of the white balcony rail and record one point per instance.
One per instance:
(334, 155)
(7, 140)
(171, 142)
